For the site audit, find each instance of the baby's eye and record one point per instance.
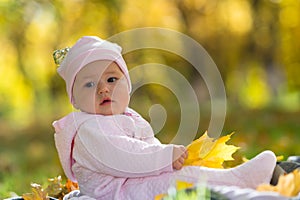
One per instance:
(112, 79)
(90, 84)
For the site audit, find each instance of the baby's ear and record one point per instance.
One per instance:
(74, 103)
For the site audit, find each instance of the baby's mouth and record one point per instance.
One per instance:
(105, 101)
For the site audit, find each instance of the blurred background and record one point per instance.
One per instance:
(255, 45)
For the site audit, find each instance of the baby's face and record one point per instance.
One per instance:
(101, 88)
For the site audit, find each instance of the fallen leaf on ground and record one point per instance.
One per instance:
(38, 193)
(54, 189)
(288, 184)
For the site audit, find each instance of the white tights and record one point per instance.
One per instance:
(247, 175)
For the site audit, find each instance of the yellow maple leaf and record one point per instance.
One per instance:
(280, 158)
(288, 184)
(180, 185)
(70, 186)
(54, 186)
(55, 189)
(160, 196)
(38, 193)
(210, 152)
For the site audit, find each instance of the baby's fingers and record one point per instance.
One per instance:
(177, 165)
(185, 154)
(181, 160)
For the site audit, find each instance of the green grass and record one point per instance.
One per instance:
(265, 129)
(27, 156)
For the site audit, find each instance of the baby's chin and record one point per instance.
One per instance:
(105, 112)
(108, 113)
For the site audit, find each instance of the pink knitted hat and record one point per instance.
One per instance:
(86, 50)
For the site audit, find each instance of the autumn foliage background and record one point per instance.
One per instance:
(255, 45)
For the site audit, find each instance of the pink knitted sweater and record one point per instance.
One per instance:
(108, 155)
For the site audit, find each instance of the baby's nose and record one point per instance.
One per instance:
(102, 88)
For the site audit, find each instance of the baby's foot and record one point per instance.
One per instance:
(256, 171)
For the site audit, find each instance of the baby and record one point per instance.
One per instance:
(110, 150)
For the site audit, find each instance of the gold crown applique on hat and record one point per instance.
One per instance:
(59, 55)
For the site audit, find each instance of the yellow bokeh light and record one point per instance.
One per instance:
(255, 92)
(289, 16)
(236, 16)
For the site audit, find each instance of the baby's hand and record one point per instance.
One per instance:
(179, 155)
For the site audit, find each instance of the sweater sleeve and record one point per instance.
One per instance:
(119, 155)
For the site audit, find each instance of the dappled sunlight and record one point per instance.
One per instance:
(254, 92)
(290, 101)
(16, 94)
(236, 16)
(289, 16)
(158, 13)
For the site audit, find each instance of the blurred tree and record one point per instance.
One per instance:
(289, 43)
(236, 33)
